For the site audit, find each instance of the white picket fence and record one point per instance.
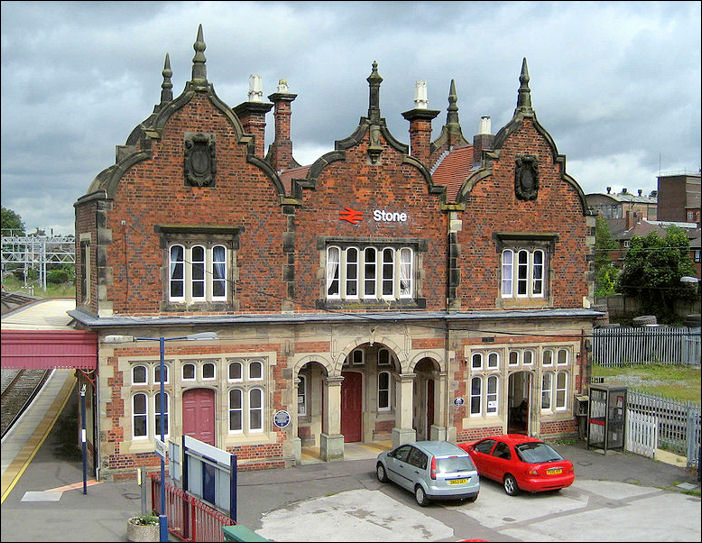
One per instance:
(641, 434)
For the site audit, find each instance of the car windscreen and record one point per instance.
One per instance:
(454, 464)
(534, 453)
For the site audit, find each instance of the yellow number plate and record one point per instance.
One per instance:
(458, 481)
(555, 471)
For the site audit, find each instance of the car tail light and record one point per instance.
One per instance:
(533, 472)
(433, 468)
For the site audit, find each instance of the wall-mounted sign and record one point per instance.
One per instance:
(458, 402)
(281, 419)
(379, 215)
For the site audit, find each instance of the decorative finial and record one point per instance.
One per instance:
(452, 115)
(374, 81)
(255, 88)
(420, 95)
(524, 96)
(199, 68)
(167, 86)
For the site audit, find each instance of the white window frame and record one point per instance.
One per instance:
(492, 396)
(478, 395)
(333, 272)
(182, 372)
(172, 266)
(239, 409)
(380, 389)
(389, 357)
(248, 370)
(493, 355)
(513, 355)
(302, 393)
(530, 358)
(558, 357)
(167, 369)
(473, 357)
(200, 266)
(252, 410)
(144, 416)
(547, 391)
(146, 374)
(216, 280)
(188, 266)
(523, 273)
(562, 403)
(241, 371)
(214, 371)
(370, 274)
(157, 414)
(507, 273)
(352, 273)
(551, 358)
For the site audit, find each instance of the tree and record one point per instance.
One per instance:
(11, 221)
(605, 271)
(652, 270)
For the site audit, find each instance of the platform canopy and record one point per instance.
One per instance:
(47, 349)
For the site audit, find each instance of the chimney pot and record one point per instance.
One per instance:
(420, 95)
(640, 192)
(609, 190)
(624, 190)
(485, 125)
(255, 88)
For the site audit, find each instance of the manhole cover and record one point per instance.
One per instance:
(131, 496)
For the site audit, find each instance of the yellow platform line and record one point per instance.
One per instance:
(30, 449)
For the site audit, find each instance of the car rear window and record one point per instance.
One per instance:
(534, 453)
(453, 464)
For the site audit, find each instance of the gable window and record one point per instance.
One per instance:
(524, 266)
(199, 264)
(371, 271)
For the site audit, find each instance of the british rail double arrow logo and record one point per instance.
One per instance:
(351, 215)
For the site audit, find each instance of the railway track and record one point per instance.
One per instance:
(19, 387)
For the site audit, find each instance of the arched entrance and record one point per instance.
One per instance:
(310, 403)
(519, 402)
(424, 398)
(199, 414)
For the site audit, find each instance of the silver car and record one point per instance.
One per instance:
(431, 470)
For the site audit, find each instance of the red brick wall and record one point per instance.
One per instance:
(85, 224)
(493, 207)
(356, 183)
(154, 192)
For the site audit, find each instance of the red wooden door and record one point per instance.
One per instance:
(199, 414)
(351, 406)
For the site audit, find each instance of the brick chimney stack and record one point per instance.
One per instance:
(483, 140)
(280, 151)
(252, 114)
(420, 123)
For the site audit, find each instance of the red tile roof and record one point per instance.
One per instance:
(296, 173)
(453, 170)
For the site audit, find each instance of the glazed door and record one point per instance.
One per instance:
(351, 406)
(199, 414)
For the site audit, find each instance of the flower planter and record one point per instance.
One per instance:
(142, 532)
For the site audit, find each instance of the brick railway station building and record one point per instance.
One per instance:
(385, 292)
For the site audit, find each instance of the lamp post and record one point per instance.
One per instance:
(163, 518)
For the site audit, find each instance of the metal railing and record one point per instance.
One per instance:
(619, 346)
(678, 423)
(189, 519)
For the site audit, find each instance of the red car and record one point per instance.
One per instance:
(520, 462)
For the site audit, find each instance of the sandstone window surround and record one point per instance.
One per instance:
(372, 272)
(146, 421)
(199, 266)
(246, 400)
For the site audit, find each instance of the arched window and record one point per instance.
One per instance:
(176, 273)
(139, 416)
(219, 272)
(383, 391)
(236, 408)
(157, 373)
(302, 395)
(493, 361)
(507, 273)
(475, 395)
(197, 267)
(235, 371)
(477, 361)
(255, 410)
(546, 393)
(188, 372)
(139, 375)
(561, 390)
(208, 370)
(547, 358)
(528, 358)
(514, 358)
(370, 269)
(157, 414)
(492, 392)
(255, 370)
(562, 357)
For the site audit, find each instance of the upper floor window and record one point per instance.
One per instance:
(188, 372)
(199, 263)
(524, 265)
(139, 375)
(370, 273)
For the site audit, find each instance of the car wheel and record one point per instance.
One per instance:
(510, 484)
(380, 472)
(420, 496)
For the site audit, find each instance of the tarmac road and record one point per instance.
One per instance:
(616, 497)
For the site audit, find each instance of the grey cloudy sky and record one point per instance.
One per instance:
(616, 84)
